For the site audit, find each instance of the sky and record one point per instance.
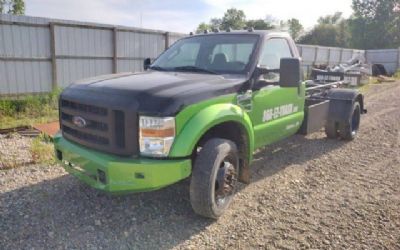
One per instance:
(180, 15)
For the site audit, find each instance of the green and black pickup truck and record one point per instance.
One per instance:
(199, 111)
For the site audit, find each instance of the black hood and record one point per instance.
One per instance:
(152, 92)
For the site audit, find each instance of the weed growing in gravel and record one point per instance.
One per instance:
(29, 110)
(397, 74)
(7, 163)
(42, 150)
(13, 151)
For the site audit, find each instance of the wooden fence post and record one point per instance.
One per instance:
(53, 57)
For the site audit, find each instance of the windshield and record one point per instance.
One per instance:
(214, 54)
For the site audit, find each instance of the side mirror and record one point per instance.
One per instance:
(289, 73)
(270, 74)
(146, 63)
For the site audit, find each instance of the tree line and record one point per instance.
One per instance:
(374, 24)
(15, 7)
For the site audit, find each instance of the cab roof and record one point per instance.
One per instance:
(245, 32)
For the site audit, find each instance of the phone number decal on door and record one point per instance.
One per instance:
(280, 111)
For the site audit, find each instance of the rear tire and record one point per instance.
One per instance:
(214, 178)
(348, 130)
(331, 130)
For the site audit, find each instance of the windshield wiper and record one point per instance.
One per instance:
(194, 69)
(158, 68)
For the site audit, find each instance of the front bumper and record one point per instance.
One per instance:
(118, 174)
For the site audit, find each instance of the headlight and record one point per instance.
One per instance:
(156, 135)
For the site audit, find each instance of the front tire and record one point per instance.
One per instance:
(214, 178)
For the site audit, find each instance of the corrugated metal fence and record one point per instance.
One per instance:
(390, 58)
(312, 55)
(40, 54)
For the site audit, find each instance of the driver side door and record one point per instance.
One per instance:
(277, 111)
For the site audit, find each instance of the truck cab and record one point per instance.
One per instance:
(198, 111)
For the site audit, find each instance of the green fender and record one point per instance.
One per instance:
(207, 118)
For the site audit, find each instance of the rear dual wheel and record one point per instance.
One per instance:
(346, 130)
(214, 178)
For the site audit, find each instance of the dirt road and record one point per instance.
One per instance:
(306, 193)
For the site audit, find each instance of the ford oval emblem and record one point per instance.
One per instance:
(79, 121)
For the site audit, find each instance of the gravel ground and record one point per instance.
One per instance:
(14, 151)
(306, 193)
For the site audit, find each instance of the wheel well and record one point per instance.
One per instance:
(235, 132)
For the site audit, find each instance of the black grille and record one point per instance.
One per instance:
(120, 128)
(84, 108)
(85, 136)
(104, 129)
(90, 124)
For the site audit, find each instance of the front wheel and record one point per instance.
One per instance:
(214, 178)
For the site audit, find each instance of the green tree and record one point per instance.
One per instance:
(343, 33)
(322, 34)
(16, 7)
(375, 24)
(202, 27)
(331, 30)
(259, 24)
(234, 19)
(2, 6)
(331, 19)
(295, 28)
(215, 23)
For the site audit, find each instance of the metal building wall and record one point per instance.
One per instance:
(390, 58)
(24, 50)
(173, 37)
(82, 52)
(134, 47)
(40, 54)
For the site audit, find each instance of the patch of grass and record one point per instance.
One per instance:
(364, 88)
(42, 150)
(8, 163)
(29, 110)
(397, 74)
